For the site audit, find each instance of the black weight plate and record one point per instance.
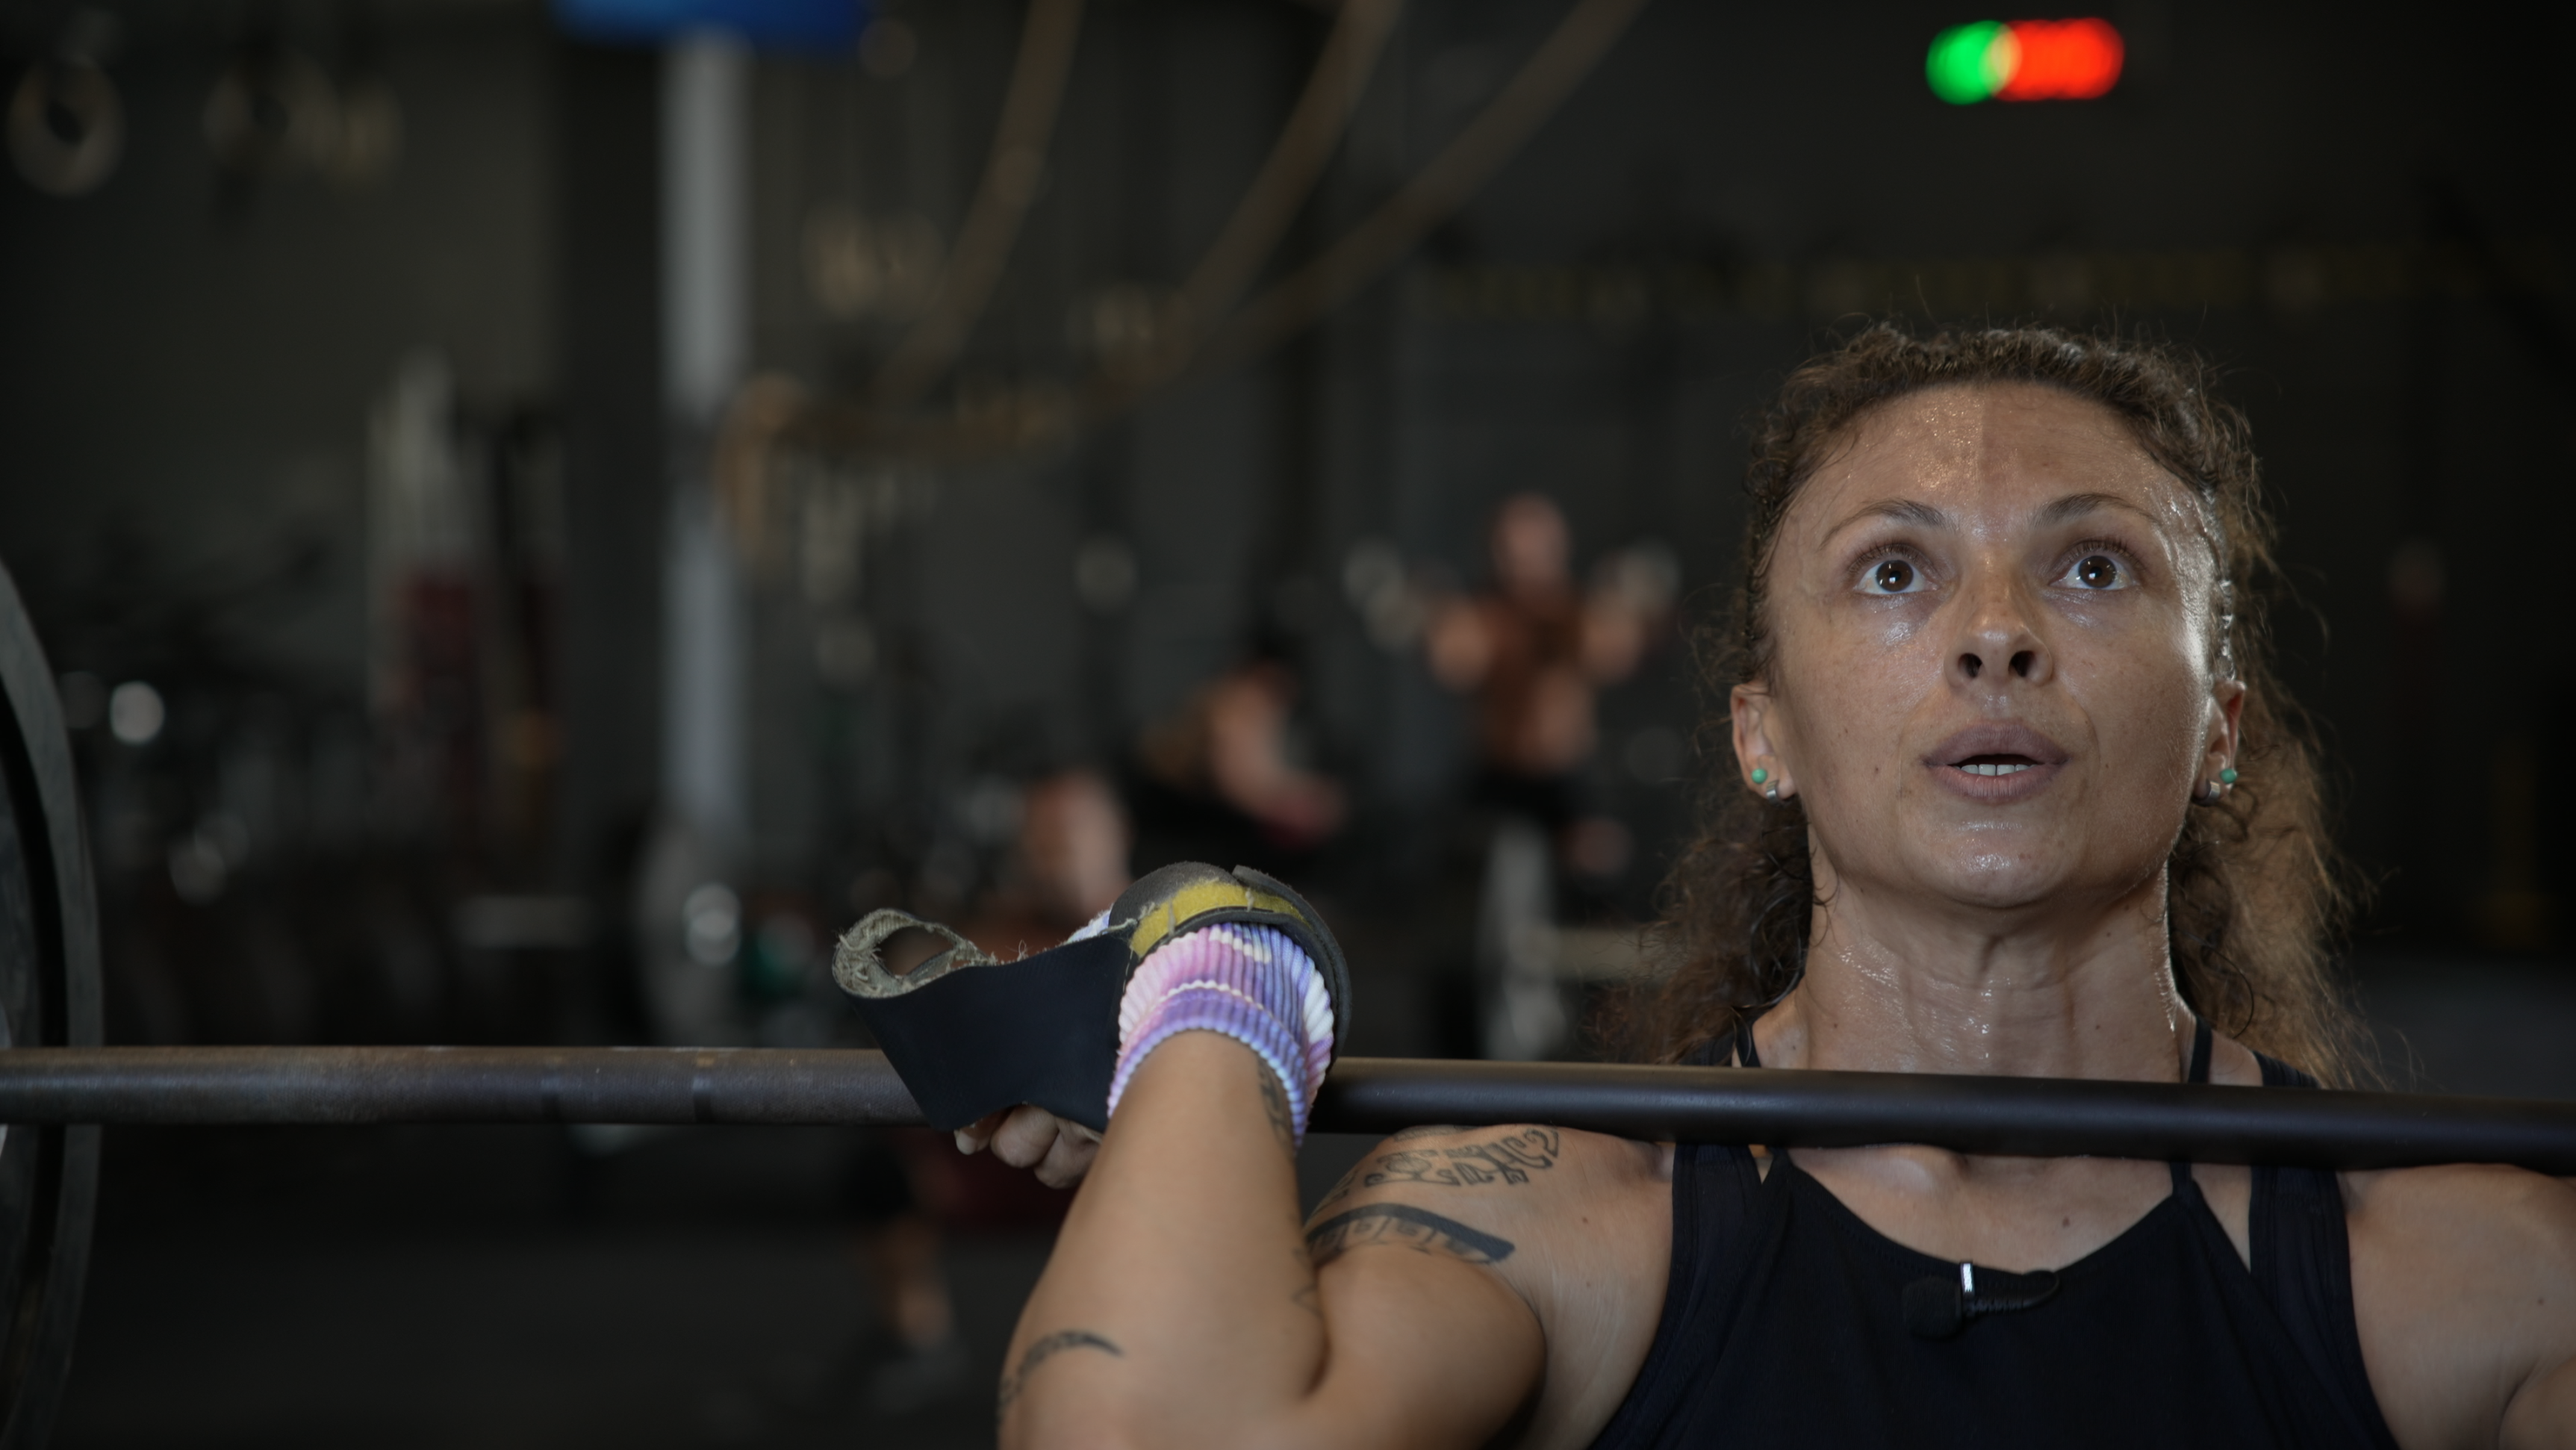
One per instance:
(49, 994)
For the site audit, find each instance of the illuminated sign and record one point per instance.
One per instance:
(2024, 60)
(809, 25)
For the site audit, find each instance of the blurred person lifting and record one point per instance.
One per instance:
(1535, 652)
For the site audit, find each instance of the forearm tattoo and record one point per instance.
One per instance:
(1048, 1347)
(1274, 1102)
(1402, 1224)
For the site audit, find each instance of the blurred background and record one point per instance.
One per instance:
(547, 512)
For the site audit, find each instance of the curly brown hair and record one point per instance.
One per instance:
(2252, 885)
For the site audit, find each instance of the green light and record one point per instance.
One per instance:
(1971, 62)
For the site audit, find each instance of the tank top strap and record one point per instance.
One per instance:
(2301, 1260)
(1722, 1232)
(1744, 1053)
(2198, 1076)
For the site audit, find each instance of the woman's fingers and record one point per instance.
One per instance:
(1025, 1135)
(976, 1136)
(1070, 1157)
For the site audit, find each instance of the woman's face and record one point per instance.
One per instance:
(1994, 681)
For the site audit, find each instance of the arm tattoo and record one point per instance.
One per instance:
(1274, 1101)
(1401, 1223)
(1342, 1186)
(1047, 1347)
(1509, 1159)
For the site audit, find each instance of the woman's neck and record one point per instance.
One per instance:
(1892, 991)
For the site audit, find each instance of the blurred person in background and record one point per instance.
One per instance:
(1534, 652)
(1225, 778)
(1068, 863)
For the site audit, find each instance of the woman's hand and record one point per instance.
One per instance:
(1031, 1137)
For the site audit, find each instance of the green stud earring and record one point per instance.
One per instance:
(2227, 776)
(1760, 775)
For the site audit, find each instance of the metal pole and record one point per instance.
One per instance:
(2036, 1117)
(352, 1085)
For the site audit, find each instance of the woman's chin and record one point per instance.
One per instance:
(2044, 877)
(2010, 872)
(1987, 883)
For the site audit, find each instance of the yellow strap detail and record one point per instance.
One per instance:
(1165, 918)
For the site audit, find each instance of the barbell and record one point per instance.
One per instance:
(59, 1083)
(2013, 1116)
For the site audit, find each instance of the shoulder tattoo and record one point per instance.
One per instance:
(1403, 1225)
(1510, 1159)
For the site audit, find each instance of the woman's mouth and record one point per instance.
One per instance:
(1996, 763)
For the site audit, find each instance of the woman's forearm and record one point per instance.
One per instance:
(1179, 1307)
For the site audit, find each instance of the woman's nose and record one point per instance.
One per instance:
(1998, 634)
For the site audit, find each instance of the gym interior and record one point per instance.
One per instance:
(542, 513)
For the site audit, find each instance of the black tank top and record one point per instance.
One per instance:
(1786, 1324)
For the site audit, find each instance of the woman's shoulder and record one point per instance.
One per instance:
(2464, 1288)
(2465, 1218)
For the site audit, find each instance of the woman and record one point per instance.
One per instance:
(2014, 793)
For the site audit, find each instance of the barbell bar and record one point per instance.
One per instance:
(2029, 1117)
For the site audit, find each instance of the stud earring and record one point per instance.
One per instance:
(1760, 775)
(2227, 776)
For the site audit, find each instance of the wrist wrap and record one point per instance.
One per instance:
(971, 1035)
(1250, 983)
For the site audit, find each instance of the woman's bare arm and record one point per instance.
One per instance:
(1182, 1306)
(2464, 1287)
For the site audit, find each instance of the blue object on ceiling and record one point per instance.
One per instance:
(812, 25)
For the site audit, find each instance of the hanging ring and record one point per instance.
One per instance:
(66, 127)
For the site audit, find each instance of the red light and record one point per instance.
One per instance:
(2062, 60)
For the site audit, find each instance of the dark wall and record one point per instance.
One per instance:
(2351, 213)
(193, 356)
(607, 282)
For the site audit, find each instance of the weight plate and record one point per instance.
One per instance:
(49, 994)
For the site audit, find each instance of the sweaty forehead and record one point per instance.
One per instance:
(1992, 452)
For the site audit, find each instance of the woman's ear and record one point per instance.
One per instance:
(1754, 712)
(2226, 738)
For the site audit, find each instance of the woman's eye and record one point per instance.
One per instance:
(1894, 576)
(2098, 571)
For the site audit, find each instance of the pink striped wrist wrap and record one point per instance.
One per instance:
(1249, 982)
